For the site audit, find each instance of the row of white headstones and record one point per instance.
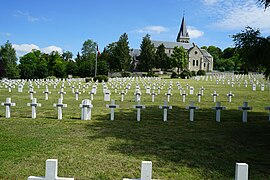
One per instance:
(51, 172)
(87, 109)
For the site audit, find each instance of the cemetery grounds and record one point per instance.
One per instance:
(104, 149)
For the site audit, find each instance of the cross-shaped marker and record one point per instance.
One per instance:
(31, 91)
(122, 93)
(165, 108)
(51, 172)
(62, 92)
(8, 104)
(241, 171)
(77, 94)
(230, 95)
(245, 108)
(92, 95)
(153, 94)
(169, 94)
(215, 96)
(46, 92)
(184, 94)
(199, 96)
(34, 105)
(139, 107)
(59, 106)
(191, 107)
(112, 106)
(218, 108)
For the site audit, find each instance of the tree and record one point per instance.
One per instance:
(8, 61)
(265, 3)
(147, 55)
(253, 50)
(121, 53)
(161, 59)
(112, 61)
(89, 49)
(67, 55)
(216, 52)
(179, 58)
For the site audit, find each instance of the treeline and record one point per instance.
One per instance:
(251, 53)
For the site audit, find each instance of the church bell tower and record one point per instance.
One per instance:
(183, 36)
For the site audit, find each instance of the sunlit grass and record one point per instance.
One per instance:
(104, 149)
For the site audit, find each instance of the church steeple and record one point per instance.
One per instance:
(183, 34)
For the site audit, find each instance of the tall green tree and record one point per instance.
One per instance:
(121, 53)
(147, 55)
(265, 3)
(179, 58)
(253, 50)
(67, 55)
(8, 61)
(161, 59)
(113, 62)
(216, 52)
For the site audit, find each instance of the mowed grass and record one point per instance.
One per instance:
(104, 149)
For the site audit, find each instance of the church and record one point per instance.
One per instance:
(198, 59)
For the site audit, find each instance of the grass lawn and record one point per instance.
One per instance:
(104, 149)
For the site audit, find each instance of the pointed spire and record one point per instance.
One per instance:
(183, 34)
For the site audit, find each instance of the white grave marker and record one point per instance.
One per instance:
(215, 96)
(218, 108)
(245, 108)
(112, 106)
(165, 108)
(8, 104)
(107, 95)
(51, 172)
(59, 106)
(46, 92)
(191, 107)
(34, 105)
(191, 90)
(139, 107)
(77, 94)
(86, 109)
(241, 171)
(146, 171)
(230, 95)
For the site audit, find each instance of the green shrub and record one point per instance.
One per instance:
(88, 79)
(174, 75)
(201, 73)
(151, 74)
(125, 74)
(101, 78)
(193, 73)
(184, 74)
(236, 72)
(51, 77)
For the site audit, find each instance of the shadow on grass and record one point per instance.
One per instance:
(203, 145)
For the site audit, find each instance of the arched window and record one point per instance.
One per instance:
(197, 63)
(193, 62)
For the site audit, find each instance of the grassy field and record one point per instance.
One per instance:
(104, 149)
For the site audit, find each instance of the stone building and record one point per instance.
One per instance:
(198, 59)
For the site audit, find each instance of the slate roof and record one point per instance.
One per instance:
(171, 45)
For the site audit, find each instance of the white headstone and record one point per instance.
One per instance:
(86, 109)
(191, 107)
(218, 108)
(139, 107)
(107, 95)
(146, 171)
(241, 171)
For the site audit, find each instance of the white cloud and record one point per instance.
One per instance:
(153, 29)
(25, 48)
(50, 49)
(194, 33)
(236, 15)
(22, 49)
(29, 17)
(209, 2)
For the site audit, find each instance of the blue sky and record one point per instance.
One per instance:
(66, 24)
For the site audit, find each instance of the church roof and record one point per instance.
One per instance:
(171, 45)
(205, 53)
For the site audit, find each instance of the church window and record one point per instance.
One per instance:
(169, 51)
(204, 64)
(197, 63)
(193, 62)
(196, 52)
